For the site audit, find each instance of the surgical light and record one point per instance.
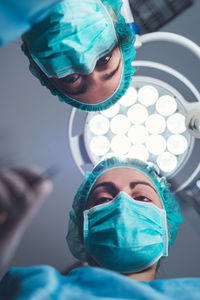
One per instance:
(99, 145)
(112, 111)
(99, 125)
(119, 124)
(156, 144)
(140, 131)
(120, 144)
(139, 152)
(167, 162)
(138, 134)
(137, 114)
(129, 98)
(176, 123)
(177, 144)
(166, 105)
(148, 95)
(155, 124)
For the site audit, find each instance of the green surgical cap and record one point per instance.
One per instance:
(75, 227)
(67, 41)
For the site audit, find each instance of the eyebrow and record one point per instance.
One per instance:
(110, 75)
(83, 89)
(111, 185)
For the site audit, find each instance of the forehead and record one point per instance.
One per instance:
(123, 176)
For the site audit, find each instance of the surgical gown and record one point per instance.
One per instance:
(17, 16)
(90, 283)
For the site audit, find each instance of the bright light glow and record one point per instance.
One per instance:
(129, 98)
(137, 114)
(119, 124)
(167, 162)
(156, 144)
(198, 184)
(120, 144)
(147, 123)
(99, 125)
(176, 123)
(155, 124)
(148, 95)
(166, 105)
(138, 134)
(108, 155)
(99, 145)
(111, 112)
(177, 144)
(139, 152)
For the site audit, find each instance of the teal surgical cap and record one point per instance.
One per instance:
(72, 38)
(75, 228)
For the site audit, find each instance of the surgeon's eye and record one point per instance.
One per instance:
(142, 198)
(104, 60)
(101, 200)
(70, 79)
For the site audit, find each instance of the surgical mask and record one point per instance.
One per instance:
(125, 235)
(72, 38)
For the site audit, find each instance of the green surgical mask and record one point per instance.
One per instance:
(72, 38)
(125, 235)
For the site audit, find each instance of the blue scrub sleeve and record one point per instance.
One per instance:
(45, 283)
(17, 16)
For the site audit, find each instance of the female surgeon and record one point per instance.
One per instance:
(82, 52)
(124, 219)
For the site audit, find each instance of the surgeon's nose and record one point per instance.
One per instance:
(94, 77)
(127, 190)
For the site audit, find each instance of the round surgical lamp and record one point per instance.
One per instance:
(152, 122)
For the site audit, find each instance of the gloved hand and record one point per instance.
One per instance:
(19, 201)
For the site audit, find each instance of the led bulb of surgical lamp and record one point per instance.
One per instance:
(177, 144)
(99, 125)
(148, 95)
(119, 124)
(176, 123)
(108, 155)
(137, 114)
(139, 152)
(156, 144)
(198, 184)
(129, 98)
(111, 112)
(99, 145)
(120, 144)
(138, 134)
(166, 105)
(155, 124)
(167, 162)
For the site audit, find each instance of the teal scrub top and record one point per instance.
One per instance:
(91, 283)
(17, 16)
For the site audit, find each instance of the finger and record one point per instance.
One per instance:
(3, 217)
(16, 187)
(43, 189)
(35, 175)
(29, 174)
(4, 196)
(12, 191)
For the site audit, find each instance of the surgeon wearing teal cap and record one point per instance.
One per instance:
(124, 219)
(82, 51)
